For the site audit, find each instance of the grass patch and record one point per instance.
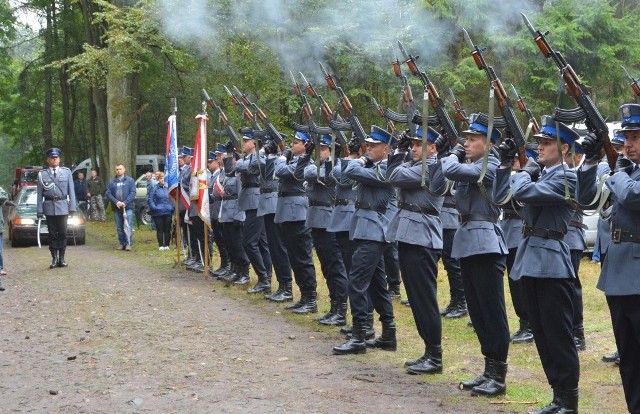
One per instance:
(527, 387)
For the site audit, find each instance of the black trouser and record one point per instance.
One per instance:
(515, 287)
(279, 256)
(625, 317)
(482, 275)
(419, 267)
(163, 229)
(392, 264)
(331, 264)
(578, 306)
(253, 232)
(57, 226)
(347, 247)
(550, 309)
(367, 276)
(218, 239)
(232, 233)
(185, 231)
(197, 238)
(297, 239)
(452, 265)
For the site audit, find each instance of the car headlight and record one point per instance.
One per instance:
(25, 222)
(75, 221)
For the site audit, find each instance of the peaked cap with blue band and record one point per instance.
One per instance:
(548, 131)
(630, 114)
(221, 149)
(53, 152)
(302, 136)
(432, 134)
(326, 140)
(185, 151)
(378, 136)
(479, 124)
(212, 156)
(618, 138)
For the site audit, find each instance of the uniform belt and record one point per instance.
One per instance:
(510, 214)
(314, 203)
(230, 197)
(291, 193)
(417, 209)
(618, 235)
(250, 185)
(544, 233)
(580, 225)
(342, 202)
(478, 217)
(449, 205)
(266, 190)
(367, 206)
(55, 198)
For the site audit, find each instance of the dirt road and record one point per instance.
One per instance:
(113, 334)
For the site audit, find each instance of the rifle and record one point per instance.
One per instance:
(308, 112)
(535, 127)
(334, 120)
(273, 132)
(246, 113)
(506, 107)
(458, 110)
(356, 126)
(391, 126)
(224, 119)
(632, 82)
(446, 125)
(586, 108)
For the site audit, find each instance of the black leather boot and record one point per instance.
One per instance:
(495, 384)
(394, 291)
(268, 296)
(411, 362)
(61, 262)
(449, 308)
(339, 318)
(524, 334)
(432, 364)
(387, 340)
(54, 259)
(550, 408)
(346, 330)
(263, 285)
(459, 309)
(613, 357)
(285, 295)
(370, 333)
(480, 379)
(354, 345)
(329, 314)
(578, 337)
(310, 306)
(243, 278)
(568, 401)
(230, 275)
(224, 267)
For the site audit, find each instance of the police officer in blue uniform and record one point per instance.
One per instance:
(619, 276)
(215, 202)
(291, 215)
(418, 230)
(232, 220)
(367, 281)
(321, 195)
(56, 200)
(248, 200)
(267, 210)
(543, 260)
(479, 243)
(184, 179)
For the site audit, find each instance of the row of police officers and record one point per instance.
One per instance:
(270, 207)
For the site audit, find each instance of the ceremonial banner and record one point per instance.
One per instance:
(171, 158)
(199, 189)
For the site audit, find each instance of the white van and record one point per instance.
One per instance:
(144, 163)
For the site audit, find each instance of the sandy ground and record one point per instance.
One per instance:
(110, 334)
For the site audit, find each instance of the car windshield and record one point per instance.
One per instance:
(30, 176)
(28, 196)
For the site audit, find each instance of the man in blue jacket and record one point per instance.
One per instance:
(121, 192)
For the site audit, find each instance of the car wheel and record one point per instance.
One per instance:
(145, 216)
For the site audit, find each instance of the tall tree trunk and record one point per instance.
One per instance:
(67, 91)
(122, 90)
(47, 133)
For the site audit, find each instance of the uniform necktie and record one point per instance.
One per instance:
(54, 172)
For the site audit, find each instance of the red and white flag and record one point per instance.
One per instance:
(199, 189)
